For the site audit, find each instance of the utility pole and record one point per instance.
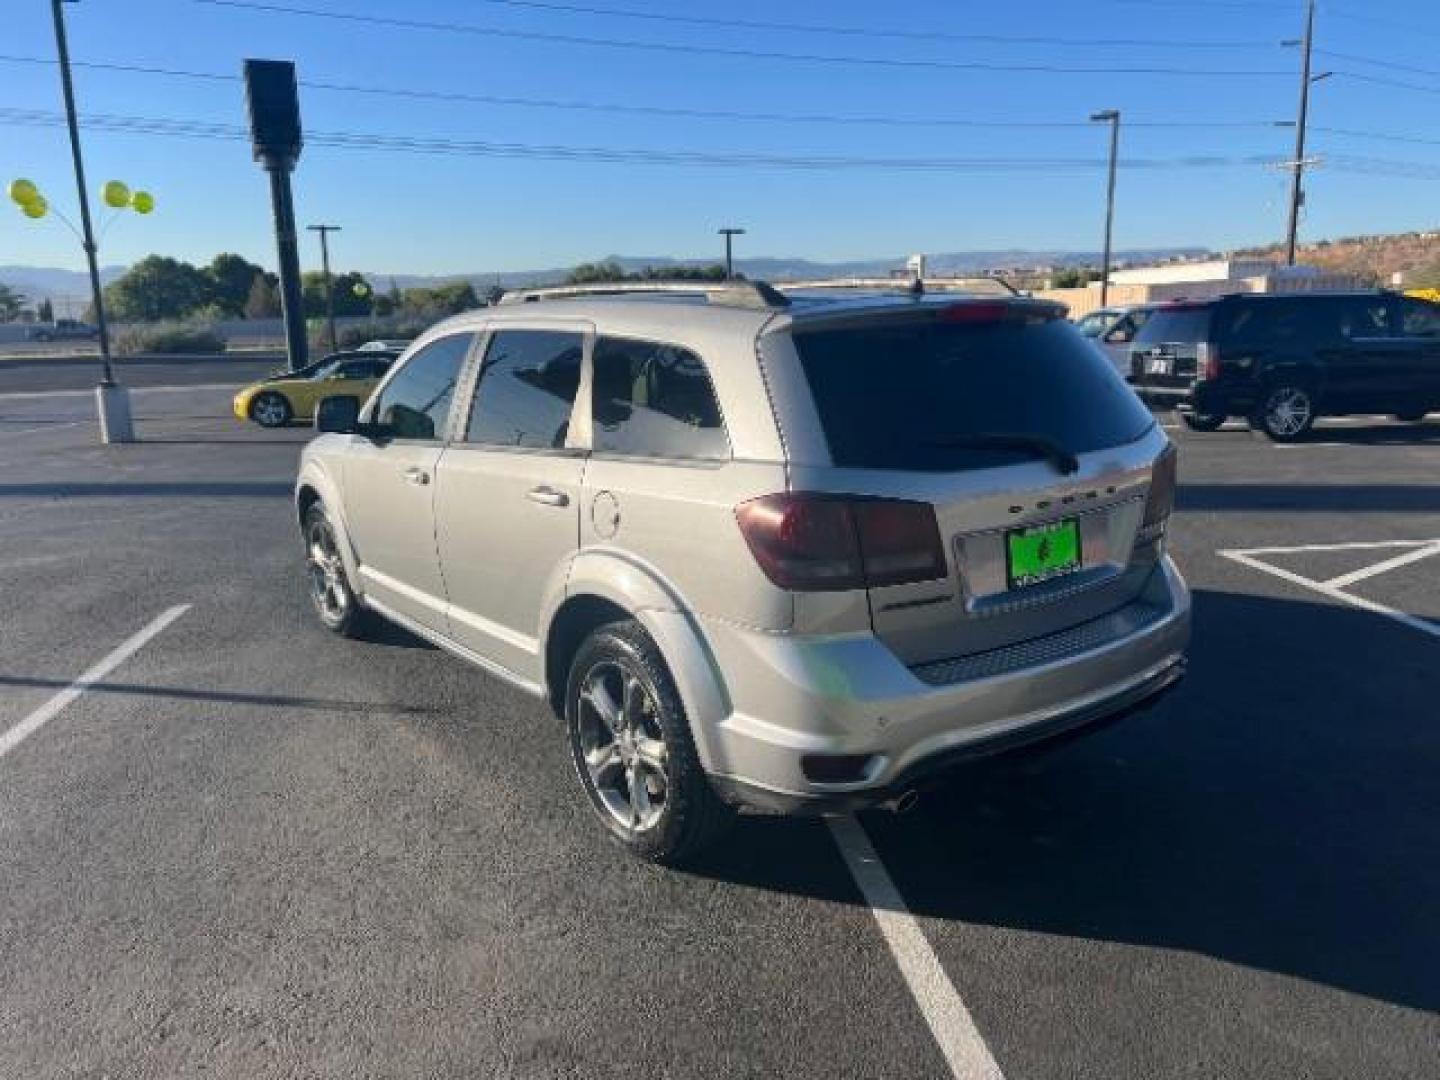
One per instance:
(729, 235)
(325, 231)
(1297, 167)
(112, 400)
(1111, 117)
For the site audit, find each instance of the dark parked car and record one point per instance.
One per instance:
(1283, 360)
(64, 330)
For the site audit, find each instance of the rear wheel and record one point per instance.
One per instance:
(335, 602)
(1288, 413)
(271, 410)
(1202, 421)
(631, 745)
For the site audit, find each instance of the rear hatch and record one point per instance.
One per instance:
(1033, 454)
(1166, 353)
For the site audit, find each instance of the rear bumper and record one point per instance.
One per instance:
(1206, 399)
(795, 698)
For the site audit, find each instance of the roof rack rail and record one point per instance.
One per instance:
(916, 286)
(747, 294)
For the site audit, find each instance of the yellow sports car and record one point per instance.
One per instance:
(293, 395)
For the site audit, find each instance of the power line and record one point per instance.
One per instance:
(1379, 80)
(890, 120)
(866, 31)
(734, 53)
(623, 155)
(1378, 61)
(1351, 133)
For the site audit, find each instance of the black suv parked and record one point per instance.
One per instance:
(1283, 360)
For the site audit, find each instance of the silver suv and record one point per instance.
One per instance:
(781, 552)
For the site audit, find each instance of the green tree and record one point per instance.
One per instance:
(10, 303)
(597, 273)
(155, 288)
(440, 300)
(230, 279)
(347, 303)
(1073, 277)
(263, 302)
(46, 311)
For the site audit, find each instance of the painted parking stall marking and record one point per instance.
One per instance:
(117, 656)
(1410, 552)
(950, 1021)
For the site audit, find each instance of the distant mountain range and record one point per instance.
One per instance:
(36, 282)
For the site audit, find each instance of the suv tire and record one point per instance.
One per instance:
(1202, 421)
(627, 727)
(335, 601)
(271, 410)
(1287, 413)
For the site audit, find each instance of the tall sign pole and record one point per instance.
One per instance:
(730, 235)
(112, 400)
(273, 101)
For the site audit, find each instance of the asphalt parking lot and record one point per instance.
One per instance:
(241, 847)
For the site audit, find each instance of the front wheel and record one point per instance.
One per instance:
(631, 745)
(270, 410)
(335, 602)
(1287, 414)
(1202, 421)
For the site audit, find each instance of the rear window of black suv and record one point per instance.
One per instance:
(1184, 324)
(891, 395)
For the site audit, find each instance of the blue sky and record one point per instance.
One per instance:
(414, 213)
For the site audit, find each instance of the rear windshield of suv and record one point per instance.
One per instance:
(891, 396)
(1183, 325)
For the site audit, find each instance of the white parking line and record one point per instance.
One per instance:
(950, 1022)
(1425, 549)
(44, 428)
(126, 649)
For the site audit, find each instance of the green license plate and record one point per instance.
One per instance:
(1042, 552)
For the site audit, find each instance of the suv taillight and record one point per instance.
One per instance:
(1207, 359)
(1161, 500)
(815, 542)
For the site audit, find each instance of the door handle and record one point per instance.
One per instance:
(417, 475)
(547, 496)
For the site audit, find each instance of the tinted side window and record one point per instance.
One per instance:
(1368, 318)
(654, 400)
(527, 389)
(1419, 319)
(416, 402)
(1277, 323)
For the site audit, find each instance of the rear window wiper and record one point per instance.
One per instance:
(1043, 446)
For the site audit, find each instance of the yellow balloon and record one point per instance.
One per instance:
(361, 289)
(115, 194)
(36, 207)
(23, 191)
(142, 202)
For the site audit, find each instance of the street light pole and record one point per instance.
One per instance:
(112, 399)
(325, 231)
(1297, 167)
(1112, 117)
(729, 235)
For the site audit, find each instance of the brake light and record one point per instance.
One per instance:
(1161, 500)
(1208, 357)
(974, 313)
(813, 542)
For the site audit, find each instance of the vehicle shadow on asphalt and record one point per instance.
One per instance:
(1277, 812)
(1405, 498)
(228, 697)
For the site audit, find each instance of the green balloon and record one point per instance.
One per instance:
(36, 208)
(360, 289)
(23, 191)
(115, 194)
(142, 202)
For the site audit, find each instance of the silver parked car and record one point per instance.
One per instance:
(786, 553)
(1112, 329)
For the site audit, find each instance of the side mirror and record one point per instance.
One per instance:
(338, 415)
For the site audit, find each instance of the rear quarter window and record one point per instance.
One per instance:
(889, 396)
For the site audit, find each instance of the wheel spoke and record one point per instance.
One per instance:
(635, 702)
(604, 764)
(640, 805)
(599, 699)
(653, 753)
